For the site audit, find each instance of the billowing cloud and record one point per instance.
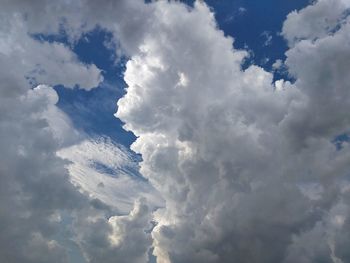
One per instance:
(317, 20)
(233, 155)
(34, 186)
(122, 239)
(41, 210)
(42, 62)
(36, 193)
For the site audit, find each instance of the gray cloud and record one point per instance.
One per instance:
(41, 210)
(122, 238)
(34, 184)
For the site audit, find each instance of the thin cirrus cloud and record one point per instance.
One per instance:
(241, 168)
(109, 172)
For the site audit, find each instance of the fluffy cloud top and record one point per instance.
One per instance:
(42, 62)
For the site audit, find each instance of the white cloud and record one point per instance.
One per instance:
(131, 234)
(59, 123)
(315, 21)
(108, 172)
(43, 62)
(230, 151)
(277, 65)
(267, 38)
(242, 10)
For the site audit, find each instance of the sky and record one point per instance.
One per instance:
(174, 131)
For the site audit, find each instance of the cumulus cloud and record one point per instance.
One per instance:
(124, 238)
(41, 209)
(127, 20)
(42, 62)
(43, 212)
(315, 21)
(232, 153)
(34, 185)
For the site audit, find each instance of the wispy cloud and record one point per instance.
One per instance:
(109, 172)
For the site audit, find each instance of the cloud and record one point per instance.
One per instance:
(58, 123)
(266, 35)
(123, 238)
(128, 20)
(109, 172)
(42, 62)
(230, 152)
(247, 167)
(242, 10)
(42, 210)
(315, 21)
(34, 185)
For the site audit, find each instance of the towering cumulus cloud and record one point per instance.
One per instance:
(43, 216)
(249, 170)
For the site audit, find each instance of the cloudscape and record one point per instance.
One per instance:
(211, 131)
